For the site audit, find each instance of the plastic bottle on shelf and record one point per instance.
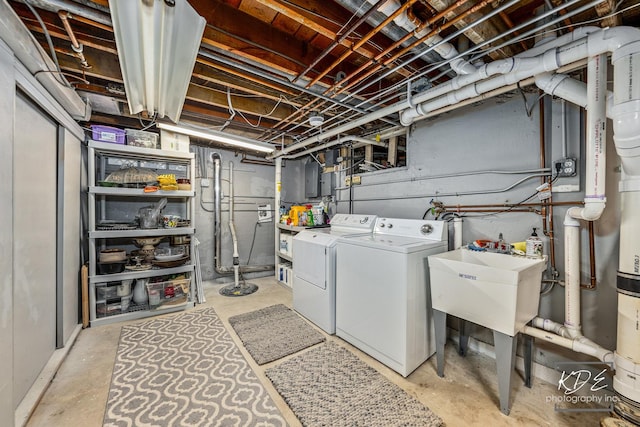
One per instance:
(310, 219)
(534, 245)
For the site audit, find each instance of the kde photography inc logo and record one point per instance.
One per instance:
(584, 386)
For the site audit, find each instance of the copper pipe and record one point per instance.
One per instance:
(547, 218)
(75, 46)
(506, 210)
(509, 23)
(340, 40)
(592, 257)
(551, 235)
(508, 205)
(399, 42)
(421, 40)
(363, 40)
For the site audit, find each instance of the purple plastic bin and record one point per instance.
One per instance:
(107, 134)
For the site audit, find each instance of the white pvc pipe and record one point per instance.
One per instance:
(515, 69)
(595, 162)
(550, 325)
(445, 50)
(278, 201)
(579, 344)
(457, 232)
(572, 275)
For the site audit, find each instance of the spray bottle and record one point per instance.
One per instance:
(534, 245)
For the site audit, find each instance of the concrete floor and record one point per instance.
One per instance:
(467, 395)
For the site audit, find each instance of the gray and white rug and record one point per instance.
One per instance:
(274, 332)
(185, 370)
(329, 386)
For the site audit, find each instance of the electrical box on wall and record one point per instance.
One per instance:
(566, 167)
(311, 179)
(264, 213)
(328, 184)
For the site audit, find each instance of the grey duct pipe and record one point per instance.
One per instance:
(217, 238)
(73, 8)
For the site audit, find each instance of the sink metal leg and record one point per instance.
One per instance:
(440, 326)
(505, 347)
(463, 325)
(528, 359)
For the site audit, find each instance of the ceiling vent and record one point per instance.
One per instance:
(316, 119)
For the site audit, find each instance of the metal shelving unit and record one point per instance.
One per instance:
(102, 157)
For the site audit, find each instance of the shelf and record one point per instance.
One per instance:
(132, 151)
(141, 232)
(287, 257)
(139, 192)
(139, 314)
(291, 227)
(102, 278)
(106, 202)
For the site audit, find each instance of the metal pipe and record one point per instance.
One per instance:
(506, 205)
(363, 40)
(217, 229)
(339, 41)
(592, 258)
(75, 46)
(73, 7)
(352, 123)
(283, 82)
(421, 40)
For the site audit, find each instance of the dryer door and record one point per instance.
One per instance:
(310, 257)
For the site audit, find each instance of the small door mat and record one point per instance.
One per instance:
(329, 386)
(274, 332)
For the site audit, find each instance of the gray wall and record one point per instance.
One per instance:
(253, 186)
(498, 135)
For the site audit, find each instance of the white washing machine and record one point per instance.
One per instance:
(314, 274)
(383, 296)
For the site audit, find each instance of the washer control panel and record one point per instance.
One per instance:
(425, 229)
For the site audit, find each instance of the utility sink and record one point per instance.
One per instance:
(498, 291)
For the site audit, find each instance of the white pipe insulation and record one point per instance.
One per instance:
(445, 50)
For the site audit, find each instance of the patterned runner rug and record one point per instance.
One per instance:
(185, 370)
(329, 386)
(274, 332)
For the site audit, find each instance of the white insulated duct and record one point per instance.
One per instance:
(445, 50)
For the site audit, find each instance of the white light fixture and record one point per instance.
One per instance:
(157, 41)
(316, 119)
(212, 135)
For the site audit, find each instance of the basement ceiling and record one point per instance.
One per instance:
(265, 66)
